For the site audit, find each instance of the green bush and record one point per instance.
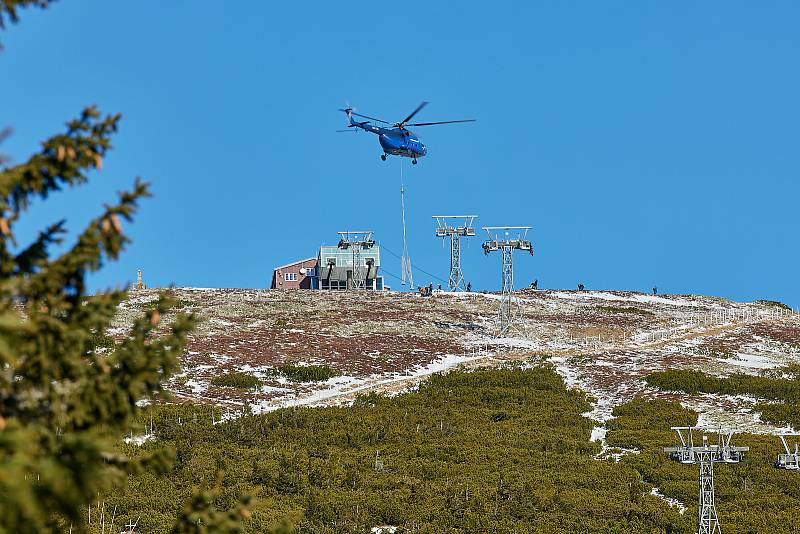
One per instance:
(501, 451)
(783, 389)
(307, 373)
(780, 414)
(101, 343)
(773, 303)
(498, 451)
(236, 380)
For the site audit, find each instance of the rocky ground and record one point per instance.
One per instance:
(602, 342)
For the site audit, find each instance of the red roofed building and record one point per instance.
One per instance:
(297, 275)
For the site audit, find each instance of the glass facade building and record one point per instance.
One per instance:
(335, 268)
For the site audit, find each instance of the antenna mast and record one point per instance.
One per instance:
(357, 241)
(705, 455)
(506, 239)
(455, 231)
(405, 259)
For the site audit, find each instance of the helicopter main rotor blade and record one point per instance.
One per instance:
(404, 121)
(440, 122)
(371, 118)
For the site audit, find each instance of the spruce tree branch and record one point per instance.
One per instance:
(103, 237)
(4, 134)
(61, 397)
(136, 370)
(9, 9)
(95, 313)
(36, 253)
(64, 160)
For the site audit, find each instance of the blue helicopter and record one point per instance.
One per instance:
(395, 140)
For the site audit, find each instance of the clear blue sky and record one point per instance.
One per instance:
(647, 143)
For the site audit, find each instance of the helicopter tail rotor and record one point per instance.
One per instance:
(349, 112)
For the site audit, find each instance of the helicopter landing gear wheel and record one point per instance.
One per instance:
(383, 157)
(414, 161)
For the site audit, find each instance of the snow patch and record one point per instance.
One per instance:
(673, 503)
(139, 440)
(199, 289)
(752, 361)
(599, 434)
(197, 386)
(641, 298)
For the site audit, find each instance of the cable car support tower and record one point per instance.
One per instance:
(789, 460)
(507, 239)
(357, 241)
(455, 227)
(705, 456)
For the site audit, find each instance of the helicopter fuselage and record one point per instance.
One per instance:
(401, 143)
(394, 141)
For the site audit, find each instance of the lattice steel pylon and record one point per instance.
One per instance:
(705, 456)
(455, 232)
(507, 239)
(406, 274)
(357, 241)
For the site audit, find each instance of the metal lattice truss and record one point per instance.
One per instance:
(791, 459)
(357, 241)
(406, 274)
(705, 455)
(507, 239)
(455, 227)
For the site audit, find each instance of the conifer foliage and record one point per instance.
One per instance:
(9, 9)
(64, 397)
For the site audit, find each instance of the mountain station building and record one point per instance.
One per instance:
(331, 269)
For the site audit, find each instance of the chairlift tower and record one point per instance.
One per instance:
(705, 456)
(455, 227)
(507, 239)
(357, 241)
(789, 460)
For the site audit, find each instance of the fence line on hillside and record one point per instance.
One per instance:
(695, 320)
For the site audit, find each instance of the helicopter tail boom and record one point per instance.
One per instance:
(351, 122)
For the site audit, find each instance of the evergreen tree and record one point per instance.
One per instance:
(65, 395)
